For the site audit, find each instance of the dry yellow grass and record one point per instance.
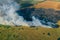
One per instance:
(27, 33)
(48, 4)
(58, 22)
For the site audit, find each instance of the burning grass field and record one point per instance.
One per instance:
(29, 33)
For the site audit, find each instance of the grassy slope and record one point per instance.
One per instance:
(26, 33)
(58, 22)
(48, 4)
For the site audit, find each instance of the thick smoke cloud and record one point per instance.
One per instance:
(40, 16)
(9, 15)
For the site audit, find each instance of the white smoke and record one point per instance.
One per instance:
(37, 22)
(8, 15)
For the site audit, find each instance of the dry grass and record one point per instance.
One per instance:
(27, 33)
(58, 22)
(48, 4)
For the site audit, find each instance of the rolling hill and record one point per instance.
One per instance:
(48, 11)
(27, 33)
(48, 4)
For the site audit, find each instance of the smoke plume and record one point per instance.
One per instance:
(9, 16)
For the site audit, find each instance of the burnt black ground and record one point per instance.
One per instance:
(46, 16)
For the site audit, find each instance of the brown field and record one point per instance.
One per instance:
(58, 22)
(27, 33)
(48, 4)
